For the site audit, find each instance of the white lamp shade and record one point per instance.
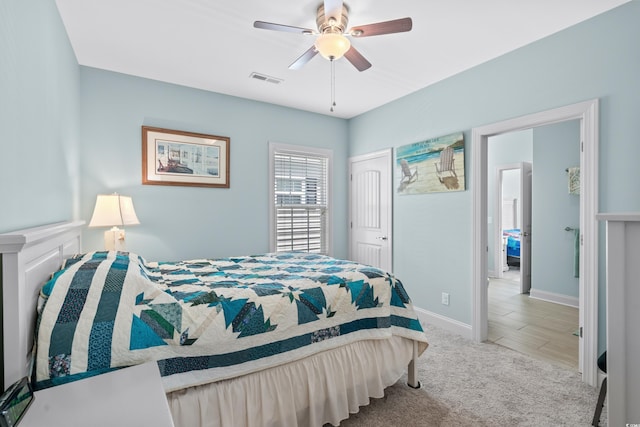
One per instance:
(128, 212)
(112, 210)
(332, 46)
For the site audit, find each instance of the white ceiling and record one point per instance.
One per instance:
(212, 45)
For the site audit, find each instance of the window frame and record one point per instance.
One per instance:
(275, 147)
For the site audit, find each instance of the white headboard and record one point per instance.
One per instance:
(29, 257)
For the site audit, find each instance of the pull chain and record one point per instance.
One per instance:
(333, 85)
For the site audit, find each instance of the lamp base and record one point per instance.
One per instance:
(114, 240)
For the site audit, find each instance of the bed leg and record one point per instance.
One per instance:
(412, 373)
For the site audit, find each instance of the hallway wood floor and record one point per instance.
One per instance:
(538, 328)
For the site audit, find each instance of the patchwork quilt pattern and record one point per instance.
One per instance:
(211, 319)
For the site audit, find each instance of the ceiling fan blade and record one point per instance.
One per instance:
(356, 58)
(279, 27)
(333, 9)
(379, 28)
(304, 58)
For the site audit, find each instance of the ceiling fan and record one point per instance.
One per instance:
(332, 18)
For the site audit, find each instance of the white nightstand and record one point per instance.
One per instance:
(128, 397)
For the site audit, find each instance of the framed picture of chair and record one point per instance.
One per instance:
(171, 157)
(430, 166)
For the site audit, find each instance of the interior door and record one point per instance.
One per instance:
(525, 228)
(370, 209)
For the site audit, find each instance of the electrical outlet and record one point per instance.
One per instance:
(445, 298)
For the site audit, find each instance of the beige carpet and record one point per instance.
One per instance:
(468, 384)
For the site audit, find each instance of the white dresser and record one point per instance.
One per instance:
(128, 397)
(623, 317)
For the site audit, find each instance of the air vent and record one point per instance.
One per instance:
(265, 78)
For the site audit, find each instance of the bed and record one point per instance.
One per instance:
(270, 339)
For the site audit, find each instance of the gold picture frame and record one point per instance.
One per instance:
(172, 157)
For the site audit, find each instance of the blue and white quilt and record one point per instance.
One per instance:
(211, 319)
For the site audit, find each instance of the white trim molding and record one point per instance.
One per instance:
(587, 113)
(446, 323)
(555, 298)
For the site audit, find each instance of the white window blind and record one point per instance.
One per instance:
(300, 184)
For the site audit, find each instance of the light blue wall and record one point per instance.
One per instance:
(505, 149)
(553, 208)
(39, 108)
(188, 222)
(598, 58)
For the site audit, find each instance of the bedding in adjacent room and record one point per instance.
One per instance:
(513, 242)
(209, 320)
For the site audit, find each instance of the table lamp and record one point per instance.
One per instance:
(113, 210)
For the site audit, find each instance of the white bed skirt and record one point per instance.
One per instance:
(324, 388)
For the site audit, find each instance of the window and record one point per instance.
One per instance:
(299, 198)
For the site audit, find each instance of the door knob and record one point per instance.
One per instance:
(381, 237)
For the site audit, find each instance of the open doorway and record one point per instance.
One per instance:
(587, 114)
(511, 228)
(536, 314)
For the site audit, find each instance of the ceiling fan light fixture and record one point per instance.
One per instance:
(332, 46)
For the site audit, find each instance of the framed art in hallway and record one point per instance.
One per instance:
(172, 157)
(431, 166)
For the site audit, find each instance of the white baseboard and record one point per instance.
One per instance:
(444, 322)
(555, 298)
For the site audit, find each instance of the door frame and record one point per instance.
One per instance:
(498, 257)
(587, 113)
(388, 155)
